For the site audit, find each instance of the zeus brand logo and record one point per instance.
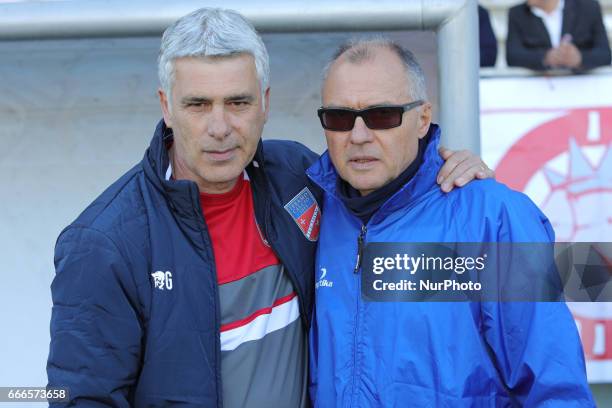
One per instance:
(162, 280)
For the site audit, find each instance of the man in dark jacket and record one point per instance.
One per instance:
(189, 280)
(488, 42)
(544, 34)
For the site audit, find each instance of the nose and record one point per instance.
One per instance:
(360, 133)
(218, 125)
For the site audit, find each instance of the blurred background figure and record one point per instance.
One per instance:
(545, 34)
(488, 42)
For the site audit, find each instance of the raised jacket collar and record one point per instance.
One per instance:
(323, 173)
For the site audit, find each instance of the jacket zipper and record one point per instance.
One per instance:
(211, 255)
(273, 243)
(360, 245)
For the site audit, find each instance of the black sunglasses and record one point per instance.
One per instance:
(375, 117)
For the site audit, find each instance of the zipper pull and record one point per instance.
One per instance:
(360, 240)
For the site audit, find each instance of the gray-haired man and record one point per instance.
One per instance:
(189, 280)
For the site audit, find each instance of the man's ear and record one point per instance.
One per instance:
(267, 104)
(424, 119)
(163, 101)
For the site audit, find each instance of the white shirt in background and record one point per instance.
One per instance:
(552, 21)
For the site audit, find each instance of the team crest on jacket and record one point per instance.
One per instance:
(306, 213)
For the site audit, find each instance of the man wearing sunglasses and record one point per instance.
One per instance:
(379, 182)
(189, 281)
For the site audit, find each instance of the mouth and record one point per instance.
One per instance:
(220, 155)
(362, 162)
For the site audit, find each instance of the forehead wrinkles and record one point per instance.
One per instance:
(218, 77)
(366, 82)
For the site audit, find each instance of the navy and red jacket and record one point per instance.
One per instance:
(120, 339)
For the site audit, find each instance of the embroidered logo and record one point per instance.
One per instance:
(162, 280)
(322, 281)
(306, 213)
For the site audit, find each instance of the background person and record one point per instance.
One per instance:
(487, 40)
(544, 34)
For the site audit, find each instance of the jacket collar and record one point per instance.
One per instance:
(540, 13)
(568, 22)
(323, 173)
(536, 23)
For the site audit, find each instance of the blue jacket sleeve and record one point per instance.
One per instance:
(96, 331)
(535, 345)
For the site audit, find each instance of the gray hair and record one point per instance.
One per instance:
(211, 32)
(359, 50)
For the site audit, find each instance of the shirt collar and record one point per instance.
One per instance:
(542, 14)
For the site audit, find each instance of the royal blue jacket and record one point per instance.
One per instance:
(372, 354)
(116, 339)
